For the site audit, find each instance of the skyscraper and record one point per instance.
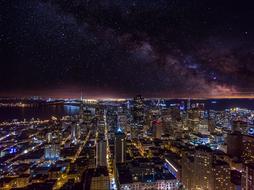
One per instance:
(189, 104)
(75, 133)
(49, 137)
(248, 149)
(248, 177)
(203, 168)
(221, 176)
(157, 129)
(120, 146)
(138, 109)
(101, 153)
(234, 144)
(52, 152)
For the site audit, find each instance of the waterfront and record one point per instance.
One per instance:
(47, 111)
(41, 112)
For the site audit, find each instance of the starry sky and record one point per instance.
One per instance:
(119, 48)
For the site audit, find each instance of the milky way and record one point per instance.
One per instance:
(123, 47)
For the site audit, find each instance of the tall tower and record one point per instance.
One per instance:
(203, 160)
(49, 137)
(157, 129)
(248, 177)
(138, 109)
(120, 146)
(189, 104)
(81, 107)
(101, 153)
(52, 148)
(75, 133)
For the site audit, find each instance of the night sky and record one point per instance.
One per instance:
(119, 48)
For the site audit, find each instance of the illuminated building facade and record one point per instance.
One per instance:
(101, 153)
(248, 149)
(52, 152)
(248, 177)
(100, 179)
(203, 159)
(157, 129)
(221, 176)
(120, 146)
(138, 110)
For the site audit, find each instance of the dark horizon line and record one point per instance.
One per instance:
(129, 97)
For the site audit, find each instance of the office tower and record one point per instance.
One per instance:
(128, 104)
(193, 119)
(175, 113)
(120, 146)
(101, 153)
(75, 133)
(202, 127)
(100, 179)
(239, 126)
(234, 145)
(122, 120)
(52, 152)
(166, 120)
(187, 169)
(189, 104)
(221, 176)
(235, 179)
(87, 116)
(211, 125)
(248, 149)
(100, 125)
(157, 129)
(134, 132)
(49, 138)
(248, 177)
(81, 110)
(203, 168)
(138, 110)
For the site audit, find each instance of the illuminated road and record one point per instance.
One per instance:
(66, 139)
(24, 152)
(25, 123)
(139, 147)
(109, 159)
(6, 136)
(82, 144)
(64, 177)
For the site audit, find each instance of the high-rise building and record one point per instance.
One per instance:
(203, 168)
(81, 109)
(100, 179)
(239, 126)
(187, 169)
(101, 153)
(248, 149)
(138, 110)
(49, 138)
(189, 104)
(157, 129)
(248, 177)
(234, 145)
(88, 115)
(221, 176)
(52, 152)
(120, 146)
(75, 133)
